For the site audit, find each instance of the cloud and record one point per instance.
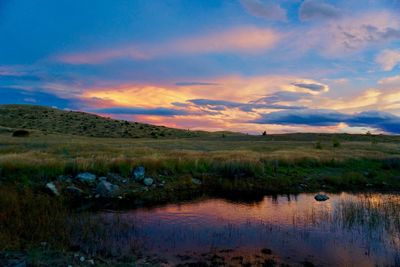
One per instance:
(241, 40)
(282, 96)
(264, 9)
(141, 111)
(246, 107)
(318, 117)
(312, 86)
(194, 83)
(388, 59)
(348, 34)
(16, 95)
(316, 9)
(390, 81)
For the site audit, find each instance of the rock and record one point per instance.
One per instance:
(114, 177)
(74, 191)
(86, 177)
(138, 173)
(321, 197)
(303, 185)
(103, 178)
(51, 187)
(196, 181)
(148, 181)
(64, 178)
(106, 189)
(82, 259)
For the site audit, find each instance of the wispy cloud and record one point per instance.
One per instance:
(315, 87)
(142, 111)
(242, 40)
(349, 34)
(246, 107)
(317, 9)
(194, 83)
(265, 9)
(388, 59)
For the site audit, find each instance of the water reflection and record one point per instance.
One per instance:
(347, 230)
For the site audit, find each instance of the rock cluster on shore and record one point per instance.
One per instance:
(88, 185)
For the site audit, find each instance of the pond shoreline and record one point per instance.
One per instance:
(233, 221)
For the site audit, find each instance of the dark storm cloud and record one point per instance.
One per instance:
(313, 117)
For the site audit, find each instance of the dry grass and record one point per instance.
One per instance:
(50, 155)
(26, 219)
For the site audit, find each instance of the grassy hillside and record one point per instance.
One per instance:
(51, 120)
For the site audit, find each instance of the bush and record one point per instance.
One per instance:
(20, 133)
(335, 143)
(391, 163)
(318, 145)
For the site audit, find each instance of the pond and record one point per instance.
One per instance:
(285, 230)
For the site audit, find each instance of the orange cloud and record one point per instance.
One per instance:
(233, 89)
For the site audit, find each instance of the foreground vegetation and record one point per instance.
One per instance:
(233, 163)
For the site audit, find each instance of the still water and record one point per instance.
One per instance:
(347, 230)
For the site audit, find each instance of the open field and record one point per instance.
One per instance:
(40, 158)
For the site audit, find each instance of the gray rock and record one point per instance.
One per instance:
(106, 189)
(103, 178)
(74, 191)
(86, 177)
(51, 187)
(114, 177)
(196, 181)
(321, 197)
(138, 173)
(148, 181)
(64, 178)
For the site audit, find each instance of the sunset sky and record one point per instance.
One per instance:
(238, 65)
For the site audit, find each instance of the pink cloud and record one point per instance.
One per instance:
(243, 40)
(346, 35)
(388, 59)
(100, 56)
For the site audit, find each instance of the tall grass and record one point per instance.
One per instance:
(26, 219)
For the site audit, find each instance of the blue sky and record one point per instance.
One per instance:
(240, 65)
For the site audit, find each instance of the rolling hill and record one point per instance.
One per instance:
(51, 120)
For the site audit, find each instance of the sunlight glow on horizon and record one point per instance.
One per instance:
(298, 66)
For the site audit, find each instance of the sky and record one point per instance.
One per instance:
(237, 65)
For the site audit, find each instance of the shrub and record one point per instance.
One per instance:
(335, 143)
(318, 145)
(20, 133)
(391, 163)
